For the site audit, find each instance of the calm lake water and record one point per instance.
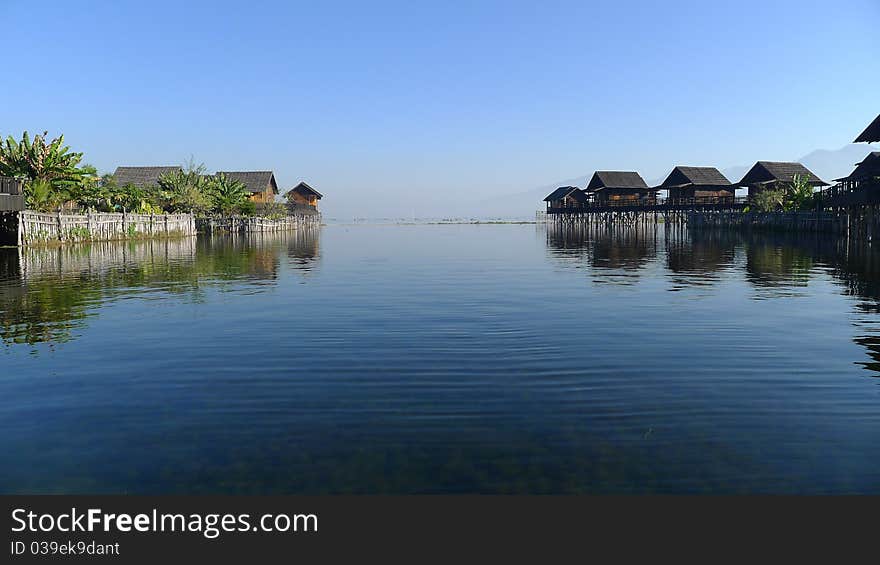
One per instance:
(442, 358)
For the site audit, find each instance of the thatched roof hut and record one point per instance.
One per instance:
(871, 133)
(142, 177)
(261, 184)
(255, 181)
(619, 185)
(696, 182)
(771, 174)
(566, 197)
(302, 193)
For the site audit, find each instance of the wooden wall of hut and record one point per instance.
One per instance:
(11, 194)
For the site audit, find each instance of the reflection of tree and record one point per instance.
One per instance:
(40, 311)
(699, 253)
(772, 265)
(47, 292)
(857, 267)
(872, 344)
(775, 259)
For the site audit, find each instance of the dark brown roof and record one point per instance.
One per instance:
(304, 188)
(255, 181)
(695, 176)
(616, 179)
(561, 193)
(867, 169)
(141, 176)
(765, 172)
(871, 133)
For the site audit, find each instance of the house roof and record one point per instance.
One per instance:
(142, 176)
(255, 181)
(695, 176)
(764, 172)
(868, 168)
(616, 179)
(304, 188)
(561, 193)
(871, 133)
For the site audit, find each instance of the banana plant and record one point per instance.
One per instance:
(40, 159)
(50, 167)
(184, 190)
(800, 194)
(227, 195)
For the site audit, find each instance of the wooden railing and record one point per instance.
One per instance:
(652, 204)
(848, 194)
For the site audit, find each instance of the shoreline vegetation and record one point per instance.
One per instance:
(56, 180)
(67, 201)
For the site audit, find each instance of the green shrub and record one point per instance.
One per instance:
(228, 196)
(247, 208)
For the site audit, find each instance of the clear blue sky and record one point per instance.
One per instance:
(404, 107)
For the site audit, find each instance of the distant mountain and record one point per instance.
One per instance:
(830, 165)
(827, 164)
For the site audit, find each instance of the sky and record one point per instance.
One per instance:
(426, 108)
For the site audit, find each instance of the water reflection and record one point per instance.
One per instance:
(413, 359)
(776, 265)
(616, 255)
(699, 261)
(48, 293)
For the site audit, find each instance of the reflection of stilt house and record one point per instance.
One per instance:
(769, 175)
(566, 197)
(697, 183)
(616, 186)
(871, 134)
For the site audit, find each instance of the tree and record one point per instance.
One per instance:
(41, 160)
(184, 190)
(800, 195)
(769, 200)
(51, 169)
(92, 192)
(228, 196)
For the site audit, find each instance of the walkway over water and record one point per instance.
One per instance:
(654, 205)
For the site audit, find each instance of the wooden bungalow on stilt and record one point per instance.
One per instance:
(865, 176)
(303, 195)
(871, 134)
(566, 197)
(620, 187)
(697, 183)
(768, 175)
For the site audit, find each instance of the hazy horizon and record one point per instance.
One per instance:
(399, 110)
